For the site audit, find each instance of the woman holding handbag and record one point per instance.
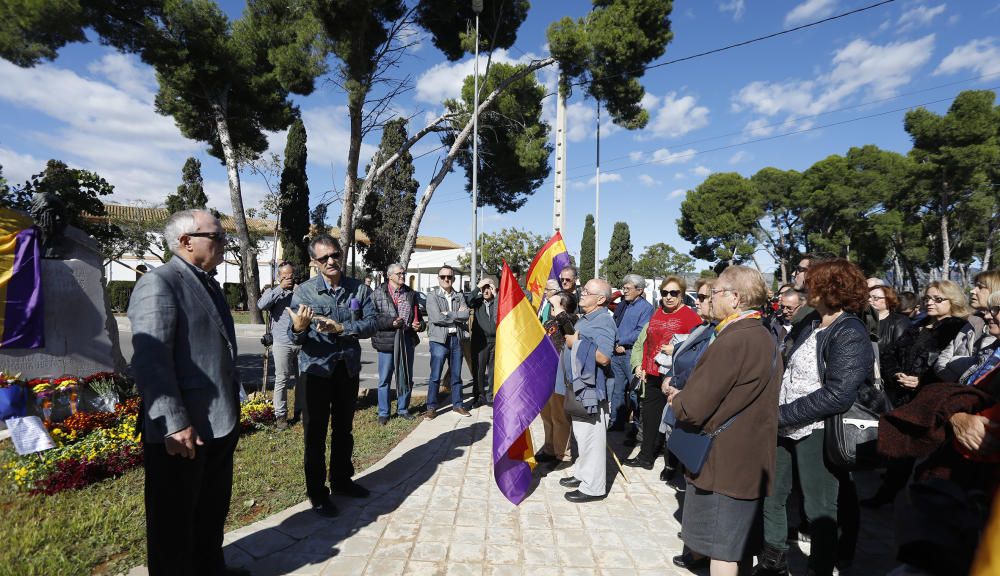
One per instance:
(731, 396)
(829, 362)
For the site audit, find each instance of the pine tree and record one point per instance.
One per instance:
(294, 200)
(191, 193)
(587, 250)
(619, 261)
(390, 205)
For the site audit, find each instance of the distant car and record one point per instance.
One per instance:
(422, 303)
(691, 297)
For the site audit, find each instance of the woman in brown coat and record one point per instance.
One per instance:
(737, 378)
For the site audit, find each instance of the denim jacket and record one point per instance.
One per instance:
(320, 351)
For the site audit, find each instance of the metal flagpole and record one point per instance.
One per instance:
(597, 202)
(477, 7)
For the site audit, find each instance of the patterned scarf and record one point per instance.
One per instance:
(735, 317)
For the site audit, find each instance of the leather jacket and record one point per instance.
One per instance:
(845, 358)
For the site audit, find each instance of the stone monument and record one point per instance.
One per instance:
(81, 336)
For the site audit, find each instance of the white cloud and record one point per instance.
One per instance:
(859, 67)
(918, 16)
(810, 10)
(605, 178)
(981, 56)
(666, 157)
(738, 157)
(444, 80)
(678, 193)
(673, 116)
(701, 171)
(737, 7)
(635, 156)
(18, 168)
(127, 73)
(648, 180)
(580, 121)
(329, 137)
(252, 189)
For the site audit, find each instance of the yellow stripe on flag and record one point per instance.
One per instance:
(513, 346)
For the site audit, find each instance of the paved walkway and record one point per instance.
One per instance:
(436, 510)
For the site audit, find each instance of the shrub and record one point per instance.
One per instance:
(236, 295)
(118, 294)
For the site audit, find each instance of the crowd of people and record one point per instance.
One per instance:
(743, 394)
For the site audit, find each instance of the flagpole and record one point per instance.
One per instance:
(597, 202)
(477, 6)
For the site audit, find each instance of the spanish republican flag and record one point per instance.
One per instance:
(21, 320)
(524, 375)
(548, 263)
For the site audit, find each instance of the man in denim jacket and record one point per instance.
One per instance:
(330, 313)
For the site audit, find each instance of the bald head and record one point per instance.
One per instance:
(595, 294)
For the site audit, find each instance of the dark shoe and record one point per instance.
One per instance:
(544, 458)
(678, 484)
(325, 508)
(773, 562)
(430, 414)
(687, 560)
(350, 489)
(667, 474)
(406, 416)
(383, 420)
(280, 423)
(638, 463)
(295, 419)
(630, 442)
(578, 497)
(461, 411)
(569, 482)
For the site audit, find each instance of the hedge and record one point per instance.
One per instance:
(118, 293)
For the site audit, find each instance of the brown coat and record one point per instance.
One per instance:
(733, 373)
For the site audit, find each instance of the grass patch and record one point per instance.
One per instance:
(101, 529)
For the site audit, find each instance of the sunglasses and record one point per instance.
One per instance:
(936, 299)
(213, 236)
(702, 297)
(446, 277)
(323, 259)
(670, 293)
(567, 280)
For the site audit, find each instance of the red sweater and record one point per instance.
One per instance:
(662, 327)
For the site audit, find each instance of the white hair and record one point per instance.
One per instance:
(179, 224)
(635, 280)
(395, 267)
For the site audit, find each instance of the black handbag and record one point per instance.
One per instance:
(851, 438)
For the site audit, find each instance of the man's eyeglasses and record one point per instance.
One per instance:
(935, 299)
(323, 259)
(670, 293)
(702, 297)
(213, 236)
(567, 279)
(445, 277)
(721, 290)
(786, 307)
(400, 273)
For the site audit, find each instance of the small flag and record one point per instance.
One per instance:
(524, 374)
(548, 263)
(22, 322)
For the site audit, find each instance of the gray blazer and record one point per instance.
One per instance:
(440, 318)
(184, 359)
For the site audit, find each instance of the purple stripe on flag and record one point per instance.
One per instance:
(24, 322)
(517, 403)
(559, 261)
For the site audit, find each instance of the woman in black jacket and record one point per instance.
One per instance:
(891, 324)
(829, 362)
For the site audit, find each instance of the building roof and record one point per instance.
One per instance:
(155, 216)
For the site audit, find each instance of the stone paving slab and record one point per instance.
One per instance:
(435, 510)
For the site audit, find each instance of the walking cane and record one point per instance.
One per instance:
(267, 330)
(619, 464)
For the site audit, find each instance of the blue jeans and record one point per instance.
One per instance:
(386, 368)
(616, 394)
(452, 352)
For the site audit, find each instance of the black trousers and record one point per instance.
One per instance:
(482, 370)
(186, 506)
(652, 402)
(330, 401)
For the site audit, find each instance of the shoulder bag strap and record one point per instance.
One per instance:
(727, 423)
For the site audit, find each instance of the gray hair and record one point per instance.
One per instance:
(635, 280)
(324, 239)
(573, 269)
(179, 224)
(394, 267)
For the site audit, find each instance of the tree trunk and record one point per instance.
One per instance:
(945, 248)
(347, 223)
(249, 267)
(456, 147)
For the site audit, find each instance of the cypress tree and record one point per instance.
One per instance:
(191, 193)
(294, 199)
(619, 261)
(587, 250)
(386, 215)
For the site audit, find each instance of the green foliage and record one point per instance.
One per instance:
(236, 295)
(191, 193)
(498, 24)
(661, 260)
(118, 294)
(517, 247)
(294, 200)
(587, 250)
(513, 140)
(719, 218)
(619, 261)
(391, 202)
(609, 50)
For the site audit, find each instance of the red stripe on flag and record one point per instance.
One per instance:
(557, 237)
(510, 293)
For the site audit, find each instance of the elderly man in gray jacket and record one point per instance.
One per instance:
(184, 363)
(447, 320)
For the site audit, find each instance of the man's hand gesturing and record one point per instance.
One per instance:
(301, 318)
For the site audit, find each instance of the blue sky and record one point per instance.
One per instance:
(841, 84)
